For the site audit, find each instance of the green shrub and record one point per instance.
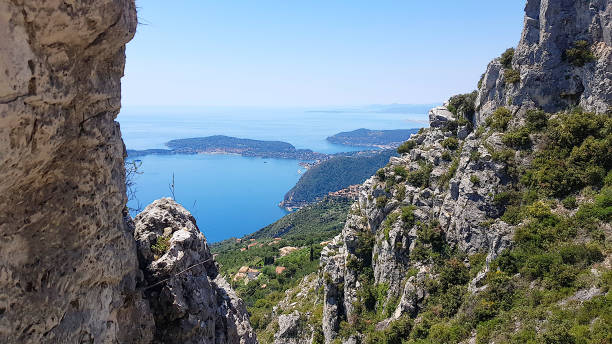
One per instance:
(161, 246)
(474, 155)
(511, 76)
(400, 171)
(518, 138)
(381, 201)
(401, 192)
(446, 156)
(570, 202)
(463, 104)
(499, 119)
(407, 216)
(406, 146)
(453, 272)
(420, 177)
(579, 54)
(381, 174)
(600, 209)
(446, 177)
(577, 154)
(504, 155)
(450, 143)
(506, 58)
(474, 179)
(536, 120)
(451, 126)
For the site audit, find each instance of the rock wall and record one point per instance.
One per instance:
(67, 261)
(548, 78)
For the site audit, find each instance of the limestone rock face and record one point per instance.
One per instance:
(548, 79)
(446, 185)
(189, 301)
(292, 330)
(68, 267)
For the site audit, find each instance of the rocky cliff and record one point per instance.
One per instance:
(69, 268)
(190, 302)
(68, 264)
(562, 60)
(451, 201)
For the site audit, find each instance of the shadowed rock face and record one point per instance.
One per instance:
(68, 264)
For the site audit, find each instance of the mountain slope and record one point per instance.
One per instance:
(494, 224)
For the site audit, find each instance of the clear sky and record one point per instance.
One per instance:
(313, 52)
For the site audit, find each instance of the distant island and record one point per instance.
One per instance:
(220, 144)
(373, 138)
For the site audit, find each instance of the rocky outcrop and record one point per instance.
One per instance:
(443, 191)
(550, 78)
(189, 301)
(68, 266)
(390, 208)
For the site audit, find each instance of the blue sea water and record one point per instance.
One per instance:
(230, 195)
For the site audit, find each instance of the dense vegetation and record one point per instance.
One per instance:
(305, 229)
(366, 137)
(335, 174)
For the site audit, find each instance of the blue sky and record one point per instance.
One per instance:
(313, 53)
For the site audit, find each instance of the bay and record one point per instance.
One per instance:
(231, 195)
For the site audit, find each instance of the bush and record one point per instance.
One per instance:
(400, 171)
(474, 155)
(499, 119)
(401, 192)
(536, 120)
(518, 138)
(453, 272)
(406, 147)
(407, 216)
(579, 54)
(577, 154)
(463, 104)
(570, 202)
(446, 156)
(450, 143)
(446, 177)
(506, 58)
(381, 201)
(511, 76)
(420, 177)
(474, 179)
(161, 246)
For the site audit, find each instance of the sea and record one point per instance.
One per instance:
(230, 195)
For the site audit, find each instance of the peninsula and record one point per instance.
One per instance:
(373, 138)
